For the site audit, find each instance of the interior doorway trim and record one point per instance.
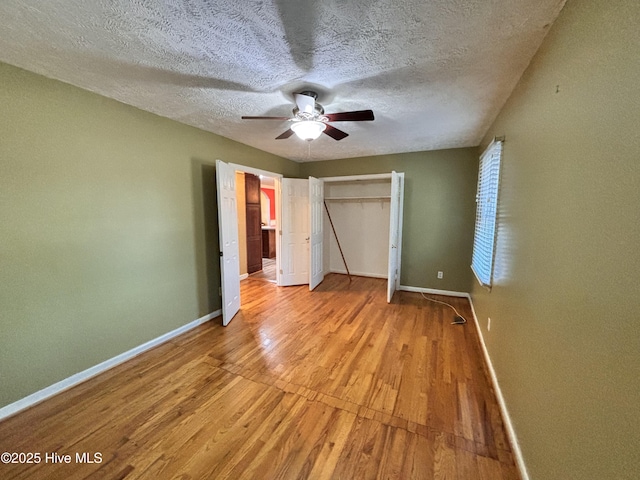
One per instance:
(278, 180)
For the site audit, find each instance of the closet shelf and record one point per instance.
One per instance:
(374, 197)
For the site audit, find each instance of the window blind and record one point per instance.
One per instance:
(486, 212)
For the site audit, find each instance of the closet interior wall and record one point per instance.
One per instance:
(360, 213)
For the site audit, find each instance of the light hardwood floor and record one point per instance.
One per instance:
(334, 384)
(268, 272)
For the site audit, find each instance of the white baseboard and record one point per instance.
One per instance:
(511, 433)
(433, 291)
(80, 377)
(244, 276)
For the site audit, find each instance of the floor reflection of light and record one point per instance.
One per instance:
(269, 353)
(264, 337)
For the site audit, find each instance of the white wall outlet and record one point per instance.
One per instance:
(440, 275)
(488, 324)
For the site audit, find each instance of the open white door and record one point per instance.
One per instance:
(395, 233)
(316, 219)
(294, 250)
(228, 231)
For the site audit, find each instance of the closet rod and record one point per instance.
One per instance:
(370, 197)
(338, 241)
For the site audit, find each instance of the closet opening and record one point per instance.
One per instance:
(360, 212)
(366, 212)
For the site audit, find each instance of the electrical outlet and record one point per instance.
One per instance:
(488, 324)
(440, 275)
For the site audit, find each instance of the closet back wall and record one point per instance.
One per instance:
(439, 211)
(362, 226)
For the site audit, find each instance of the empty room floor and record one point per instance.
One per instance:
(330, 384)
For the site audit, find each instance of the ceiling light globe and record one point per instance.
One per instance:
(308, 129)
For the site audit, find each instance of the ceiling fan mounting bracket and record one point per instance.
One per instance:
(310, 93)
(317, 108)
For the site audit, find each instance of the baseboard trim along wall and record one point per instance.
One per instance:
(80, 377)
(513, 439)
(433, 291)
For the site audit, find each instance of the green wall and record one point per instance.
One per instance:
(108, 232)
(565, 323)
(439, 211)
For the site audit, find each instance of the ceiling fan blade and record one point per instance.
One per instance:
(334, 133)
(305, 103)
(358, 116)
(286, 134)
(265, 118)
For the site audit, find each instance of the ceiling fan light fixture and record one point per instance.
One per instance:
(309, 129)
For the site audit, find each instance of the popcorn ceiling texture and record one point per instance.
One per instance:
(434, 72)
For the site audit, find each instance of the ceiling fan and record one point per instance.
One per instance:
(309, 119)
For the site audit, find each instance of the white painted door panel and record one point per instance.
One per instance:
(228, 234)
(316, 220)
(295, 232)
(395, 233)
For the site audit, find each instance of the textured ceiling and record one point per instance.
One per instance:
(435, 72)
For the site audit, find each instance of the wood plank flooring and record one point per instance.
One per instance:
(268, 272)
(333, 384)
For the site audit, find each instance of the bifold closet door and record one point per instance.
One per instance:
(395, 233)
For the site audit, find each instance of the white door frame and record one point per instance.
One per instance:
(379, 176)
(277, 188)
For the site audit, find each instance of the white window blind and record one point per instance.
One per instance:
(486, 211)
